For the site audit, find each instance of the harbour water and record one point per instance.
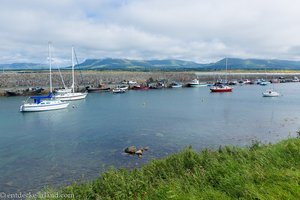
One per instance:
(58, 147)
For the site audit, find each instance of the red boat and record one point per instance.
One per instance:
(221, 88)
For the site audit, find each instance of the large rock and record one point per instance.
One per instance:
(130, 150)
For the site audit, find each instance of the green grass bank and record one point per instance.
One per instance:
(258, 172)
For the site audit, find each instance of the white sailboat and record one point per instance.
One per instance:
(44, 103)
(66, 95)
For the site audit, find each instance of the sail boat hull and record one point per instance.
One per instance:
(43, 106)
(222, 87)
(70, 96)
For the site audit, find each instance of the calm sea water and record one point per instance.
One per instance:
(58, 147)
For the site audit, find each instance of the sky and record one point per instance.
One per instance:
(196, 30)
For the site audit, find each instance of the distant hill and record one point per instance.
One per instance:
(126, 64)
(167, 65)
(255, 64)
(23, 66)
(232, 63)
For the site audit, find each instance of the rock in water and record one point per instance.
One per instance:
(139, 152)
(146, 148)
(130, 150)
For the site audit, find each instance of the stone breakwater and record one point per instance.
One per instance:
(41, 79)
(15, 80)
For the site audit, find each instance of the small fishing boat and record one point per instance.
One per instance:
(13, 92)
(270, 93)
(295, 79)
(24, 92)
(124, 87)
(118, 90)
(196, 83)
(233, 82)
(97, 89)
(221, 88)
(264, 83)
(176, 85)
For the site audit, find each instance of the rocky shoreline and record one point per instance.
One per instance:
(23, 80)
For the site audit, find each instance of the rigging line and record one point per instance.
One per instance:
(77, 63)
(62, 79)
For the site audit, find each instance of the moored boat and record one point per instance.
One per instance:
(97, 89)
(44, 103)
(176, 85)
(264, 83)
(270, 93)
(66, 95)
(140, 87)
(221, 88)
(39, 104)
(118, 90)
(196, 83)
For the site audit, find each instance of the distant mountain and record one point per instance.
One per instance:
(167, 65)
(255, 64)
(23, 66)
(232, 63)
(126, 64)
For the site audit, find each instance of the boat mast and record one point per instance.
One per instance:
(226, 72)
(50, 65)
(73, 75)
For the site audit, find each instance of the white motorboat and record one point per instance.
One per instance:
(39, 104)
(176, 85)
(270, 93)
(66, 94)
(264, 83)
(196, 83)
(118, 90)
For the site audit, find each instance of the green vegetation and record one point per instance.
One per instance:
(258, 172)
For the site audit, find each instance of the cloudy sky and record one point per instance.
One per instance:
(197, 30)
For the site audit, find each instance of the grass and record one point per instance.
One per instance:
(258, 172)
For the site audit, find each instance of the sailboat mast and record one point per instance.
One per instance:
(226, 72)
(50, 65)
(73, 75)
